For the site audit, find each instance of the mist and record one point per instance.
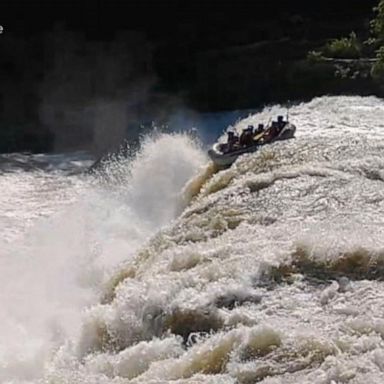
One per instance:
(66, 91)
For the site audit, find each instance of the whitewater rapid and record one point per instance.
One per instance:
(163, 269)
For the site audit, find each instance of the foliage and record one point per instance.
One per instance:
(351, 48)
(344, 48)
(377, 71)
(377, 24)
(377, 30)
(314, 56)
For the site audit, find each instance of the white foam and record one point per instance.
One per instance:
(281, 224)
(60, 266)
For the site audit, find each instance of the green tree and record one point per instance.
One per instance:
(377, 24)
(344, 48)
(377, 30)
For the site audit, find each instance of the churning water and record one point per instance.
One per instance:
(162, 269)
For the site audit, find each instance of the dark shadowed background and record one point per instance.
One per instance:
(87, 74)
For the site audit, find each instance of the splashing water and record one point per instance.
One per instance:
(271, 273)
(83, 229)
